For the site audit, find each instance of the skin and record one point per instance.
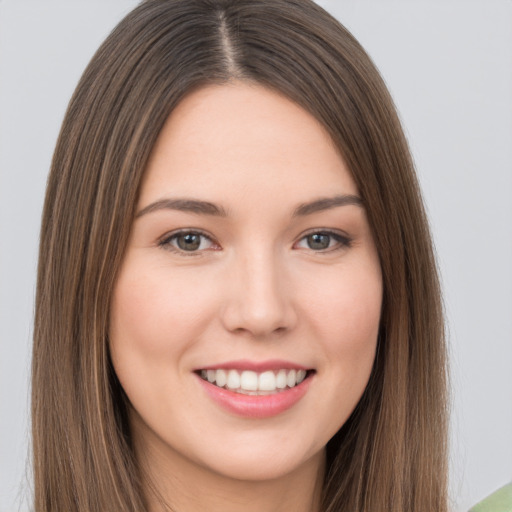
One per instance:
(255, 290)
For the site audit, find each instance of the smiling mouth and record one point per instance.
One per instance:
(248, 382)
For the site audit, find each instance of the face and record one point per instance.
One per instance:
(245, 316)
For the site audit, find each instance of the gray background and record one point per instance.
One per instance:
(448, 64)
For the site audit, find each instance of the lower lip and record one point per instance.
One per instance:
(256, 406)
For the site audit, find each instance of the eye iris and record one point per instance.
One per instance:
(189, 241)
(318, 241)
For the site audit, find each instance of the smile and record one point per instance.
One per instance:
(256, 390)
(248, 382)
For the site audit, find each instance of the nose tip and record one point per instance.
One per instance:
(259, 303)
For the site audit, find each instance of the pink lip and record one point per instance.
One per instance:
(256, 406)
(255, 366)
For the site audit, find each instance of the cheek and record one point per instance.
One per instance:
(347, 308)
(156, 310)
(156, 317)
(346, 317)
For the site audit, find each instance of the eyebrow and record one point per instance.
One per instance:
(184, 205)
(326, 203)
(207, 208)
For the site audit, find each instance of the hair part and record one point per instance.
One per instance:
(391, 453)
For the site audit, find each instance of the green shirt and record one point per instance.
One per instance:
(500, 501)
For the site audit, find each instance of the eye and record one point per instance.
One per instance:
(187, 241)
(323, 241)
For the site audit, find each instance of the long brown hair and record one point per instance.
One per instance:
(391, 453)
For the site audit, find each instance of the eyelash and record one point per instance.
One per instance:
(342, 241)
(167, 242)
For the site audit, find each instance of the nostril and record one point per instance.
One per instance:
(259, 319)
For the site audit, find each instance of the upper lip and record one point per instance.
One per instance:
(256, 366)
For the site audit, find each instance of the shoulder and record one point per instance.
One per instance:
(499, 501)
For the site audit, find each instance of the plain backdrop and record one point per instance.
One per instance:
(448, 65)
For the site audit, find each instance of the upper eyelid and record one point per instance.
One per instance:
(164, 242)
(343, 239)
(176, 232)
(328, 231)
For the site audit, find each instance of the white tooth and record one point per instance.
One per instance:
(210, 375)
(203, 374)
(233, 379)
(291, 379)
(301, 375)
(249, 381)
(267, 381)
(220, 378)
(281, 379)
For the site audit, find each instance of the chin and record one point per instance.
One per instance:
(262, 468)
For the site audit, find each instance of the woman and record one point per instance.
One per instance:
(237, 300)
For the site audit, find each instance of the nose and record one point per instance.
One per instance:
(259, 301)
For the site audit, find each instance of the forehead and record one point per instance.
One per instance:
(242, 138)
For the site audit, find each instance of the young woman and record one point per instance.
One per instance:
(237, 303)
